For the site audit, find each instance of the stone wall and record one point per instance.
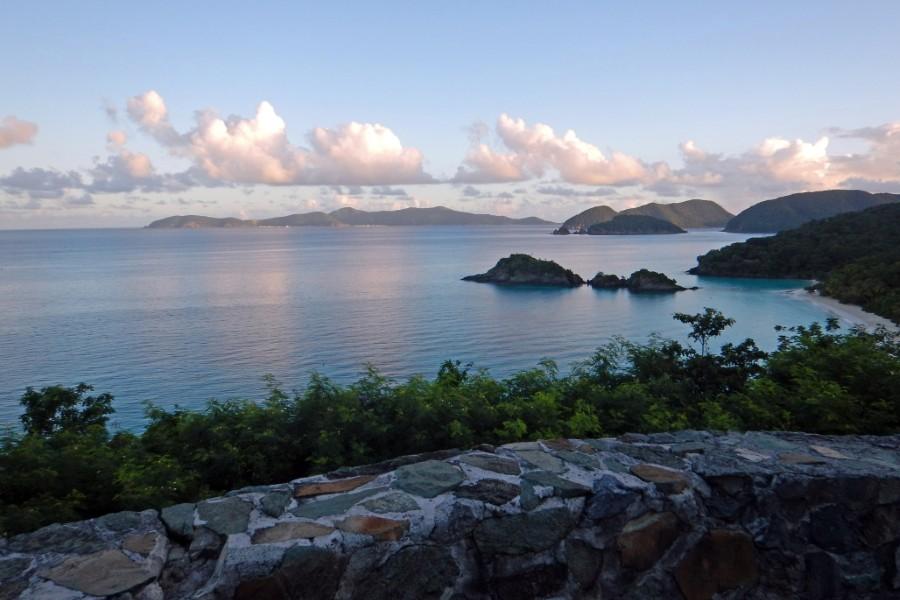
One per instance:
(683, 515)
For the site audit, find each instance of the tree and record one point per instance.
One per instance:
(58, 408)
(705, 326)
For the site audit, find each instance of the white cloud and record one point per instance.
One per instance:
(245, 150)
(363, 154)
(533, 150)
(15, 131)
(257, 150)
(149, 111)
(775, 166)
(116, 138)
(879, 167)
(484, 165)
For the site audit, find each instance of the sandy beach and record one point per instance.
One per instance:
(848, 313)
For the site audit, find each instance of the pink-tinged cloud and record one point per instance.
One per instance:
(257, 149)
(536, 149)
(14, 131)
(775, 166)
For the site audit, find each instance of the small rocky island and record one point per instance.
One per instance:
(607, 281)
(634, 225)
(639, 281)
(522, 269)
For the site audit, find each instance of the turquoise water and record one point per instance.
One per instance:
(178, 316)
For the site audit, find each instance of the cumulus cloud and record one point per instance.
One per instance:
(364, 154)
(879, 166)
(257, 149)
(116, 138)
(776, 165)
(15, 131)
(149, 111)
(535, 149)
(364, 163)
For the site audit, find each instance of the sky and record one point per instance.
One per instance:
(115, 114)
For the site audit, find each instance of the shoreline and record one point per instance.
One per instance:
(849, 313)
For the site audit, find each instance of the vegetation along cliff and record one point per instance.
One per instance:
(856, 257)
(634, 225)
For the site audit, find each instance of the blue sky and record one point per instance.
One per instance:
(633, 81)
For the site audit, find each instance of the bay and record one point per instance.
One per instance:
(181, 316)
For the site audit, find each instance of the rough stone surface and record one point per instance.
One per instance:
(543, 460)
(306, 572)
(686, 514)
(179, 519)
(394, 502)
(71, 538)
(331, 506)
(492, 491)
(290, 530)
(428, 479)
(227, 516)
(609, 498)
(541, 581)
(11, 567)
(667, 480)
(561, 487)
(140, 543)
(101, 574)
(644, 540)
(378, 527)
(318, 488)
(488, 462)
(584, 562)
(521, 533)
(722, 560)
(274, 503)
(413, 573)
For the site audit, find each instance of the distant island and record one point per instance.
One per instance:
(788, 212)
(580, 222)
(768, 216)
(623, 224)
(855, 256)
(523, 269)
(690, 214)
(344, 217)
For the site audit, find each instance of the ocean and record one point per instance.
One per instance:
(176, 317)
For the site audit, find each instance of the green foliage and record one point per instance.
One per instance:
(57, 408)
(855, 255)
(704, 326)
(65, 465)
(633, 224)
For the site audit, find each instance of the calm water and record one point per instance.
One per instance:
(177, 316)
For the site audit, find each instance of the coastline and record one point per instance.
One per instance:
(849, 313)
